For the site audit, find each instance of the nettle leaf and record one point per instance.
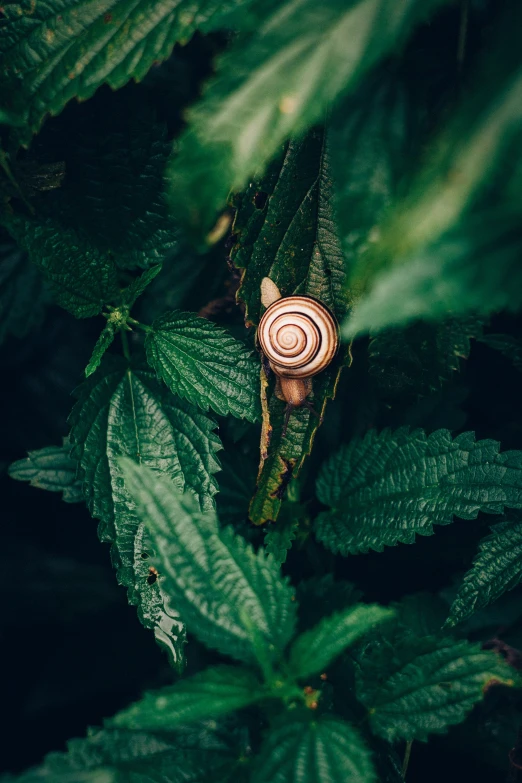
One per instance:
(82, 279)
(119, 756)
(475, 263)
(279, 537)
(23, 294)
(420, 358)
(53, 52)
(103, 342)
(139, 285)
(421, 686)
(208, 694)
(203, 363)
(390, 486)
(124, 411)
(50, 468)
(237, 481)
(231, 598)
(321, 750)
(374, 133)
(314, 650)
(288, 214)
(113, 195)
(509, 346)
(276, 83)
(496, 569)
(455, 245)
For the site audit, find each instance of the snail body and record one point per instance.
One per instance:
(299, 336)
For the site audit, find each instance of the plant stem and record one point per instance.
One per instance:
(125, 345)
(406, 759)
(138, 325)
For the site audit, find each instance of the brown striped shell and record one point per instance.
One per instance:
(299, 336)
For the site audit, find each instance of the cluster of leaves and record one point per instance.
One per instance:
(343, 153)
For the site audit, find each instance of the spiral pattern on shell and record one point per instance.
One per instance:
(299, 336)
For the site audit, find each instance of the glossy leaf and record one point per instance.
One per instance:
(277, 83)
(288, 214)
(50, 468)
(390, 486)
(447, 229)
(119, 756)
(53, 52)
(201, 362)
(208, 694)
(314, 650)
(496, 569)
(231, 598)
(324, 750)
(124, 411)
(424, 685)
(103, 342)
(374, 135)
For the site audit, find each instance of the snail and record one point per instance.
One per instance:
(299, 336)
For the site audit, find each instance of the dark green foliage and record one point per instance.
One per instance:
(391, 486)
(289, 214)
(158, 160)
(124, 411)
(315, 751)
(50, 468)
(497, 568)
(418, 686)
(202, 363)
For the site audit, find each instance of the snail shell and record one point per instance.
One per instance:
(299, 336)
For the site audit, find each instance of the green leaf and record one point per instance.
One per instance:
(459, 223)
(473, 263)
(288, 214)
(496, 569)
(53, 52)
(510, 347)
(23, 295)
(50, 468)
(81, 278)
(421, 686)
(231, 598)
(123, 410)
(103, 342)
(388, 487)
(208, 694)
(277, 83)
(279, 537)
(113, 194)
(420, 358)
(324, 750)
(204, 364)
(314, 650)
(285, 214)
(139, 284)
(374, 134)
(237, 481)
(118, 756)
